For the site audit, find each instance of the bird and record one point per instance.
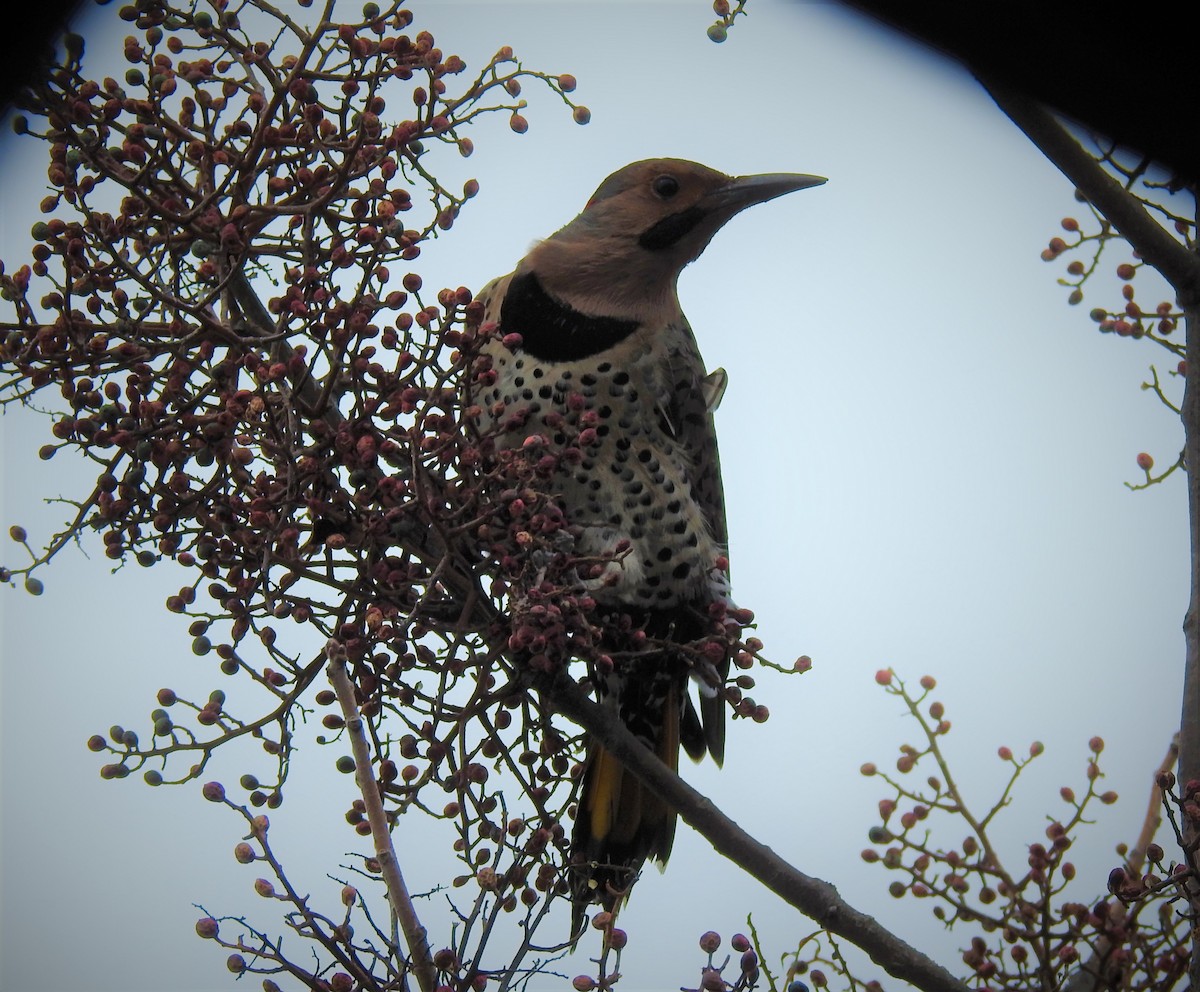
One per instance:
(593, 311)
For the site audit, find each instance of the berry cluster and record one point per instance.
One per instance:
(1028, 925)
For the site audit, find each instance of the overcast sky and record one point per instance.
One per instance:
(925, 452)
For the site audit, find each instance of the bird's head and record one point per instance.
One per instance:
(622, 255)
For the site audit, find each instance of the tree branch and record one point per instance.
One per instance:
(401, 902)
(1189, 731)
(813, 897)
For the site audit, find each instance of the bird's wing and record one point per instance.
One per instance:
(714, 388)
(687, 413)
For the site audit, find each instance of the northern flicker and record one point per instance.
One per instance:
(597, 313)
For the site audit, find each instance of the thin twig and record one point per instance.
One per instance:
(1088, 974)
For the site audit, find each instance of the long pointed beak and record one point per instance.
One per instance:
(745, 191)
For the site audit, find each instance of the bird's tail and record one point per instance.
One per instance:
(620, 822)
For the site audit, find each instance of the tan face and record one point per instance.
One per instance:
(623, 254)
(659, 205)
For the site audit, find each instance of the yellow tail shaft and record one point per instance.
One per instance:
(620, 822)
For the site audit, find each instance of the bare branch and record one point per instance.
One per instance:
(398, 896)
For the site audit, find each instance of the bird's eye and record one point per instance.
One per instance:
(665, 186)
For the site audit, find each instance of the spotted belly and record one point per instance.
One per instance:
(631, 486)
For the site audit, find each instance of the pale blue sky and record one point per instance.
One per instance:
(924, 452)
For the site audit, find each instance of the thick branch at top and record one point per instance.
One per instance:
(1180, 267)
